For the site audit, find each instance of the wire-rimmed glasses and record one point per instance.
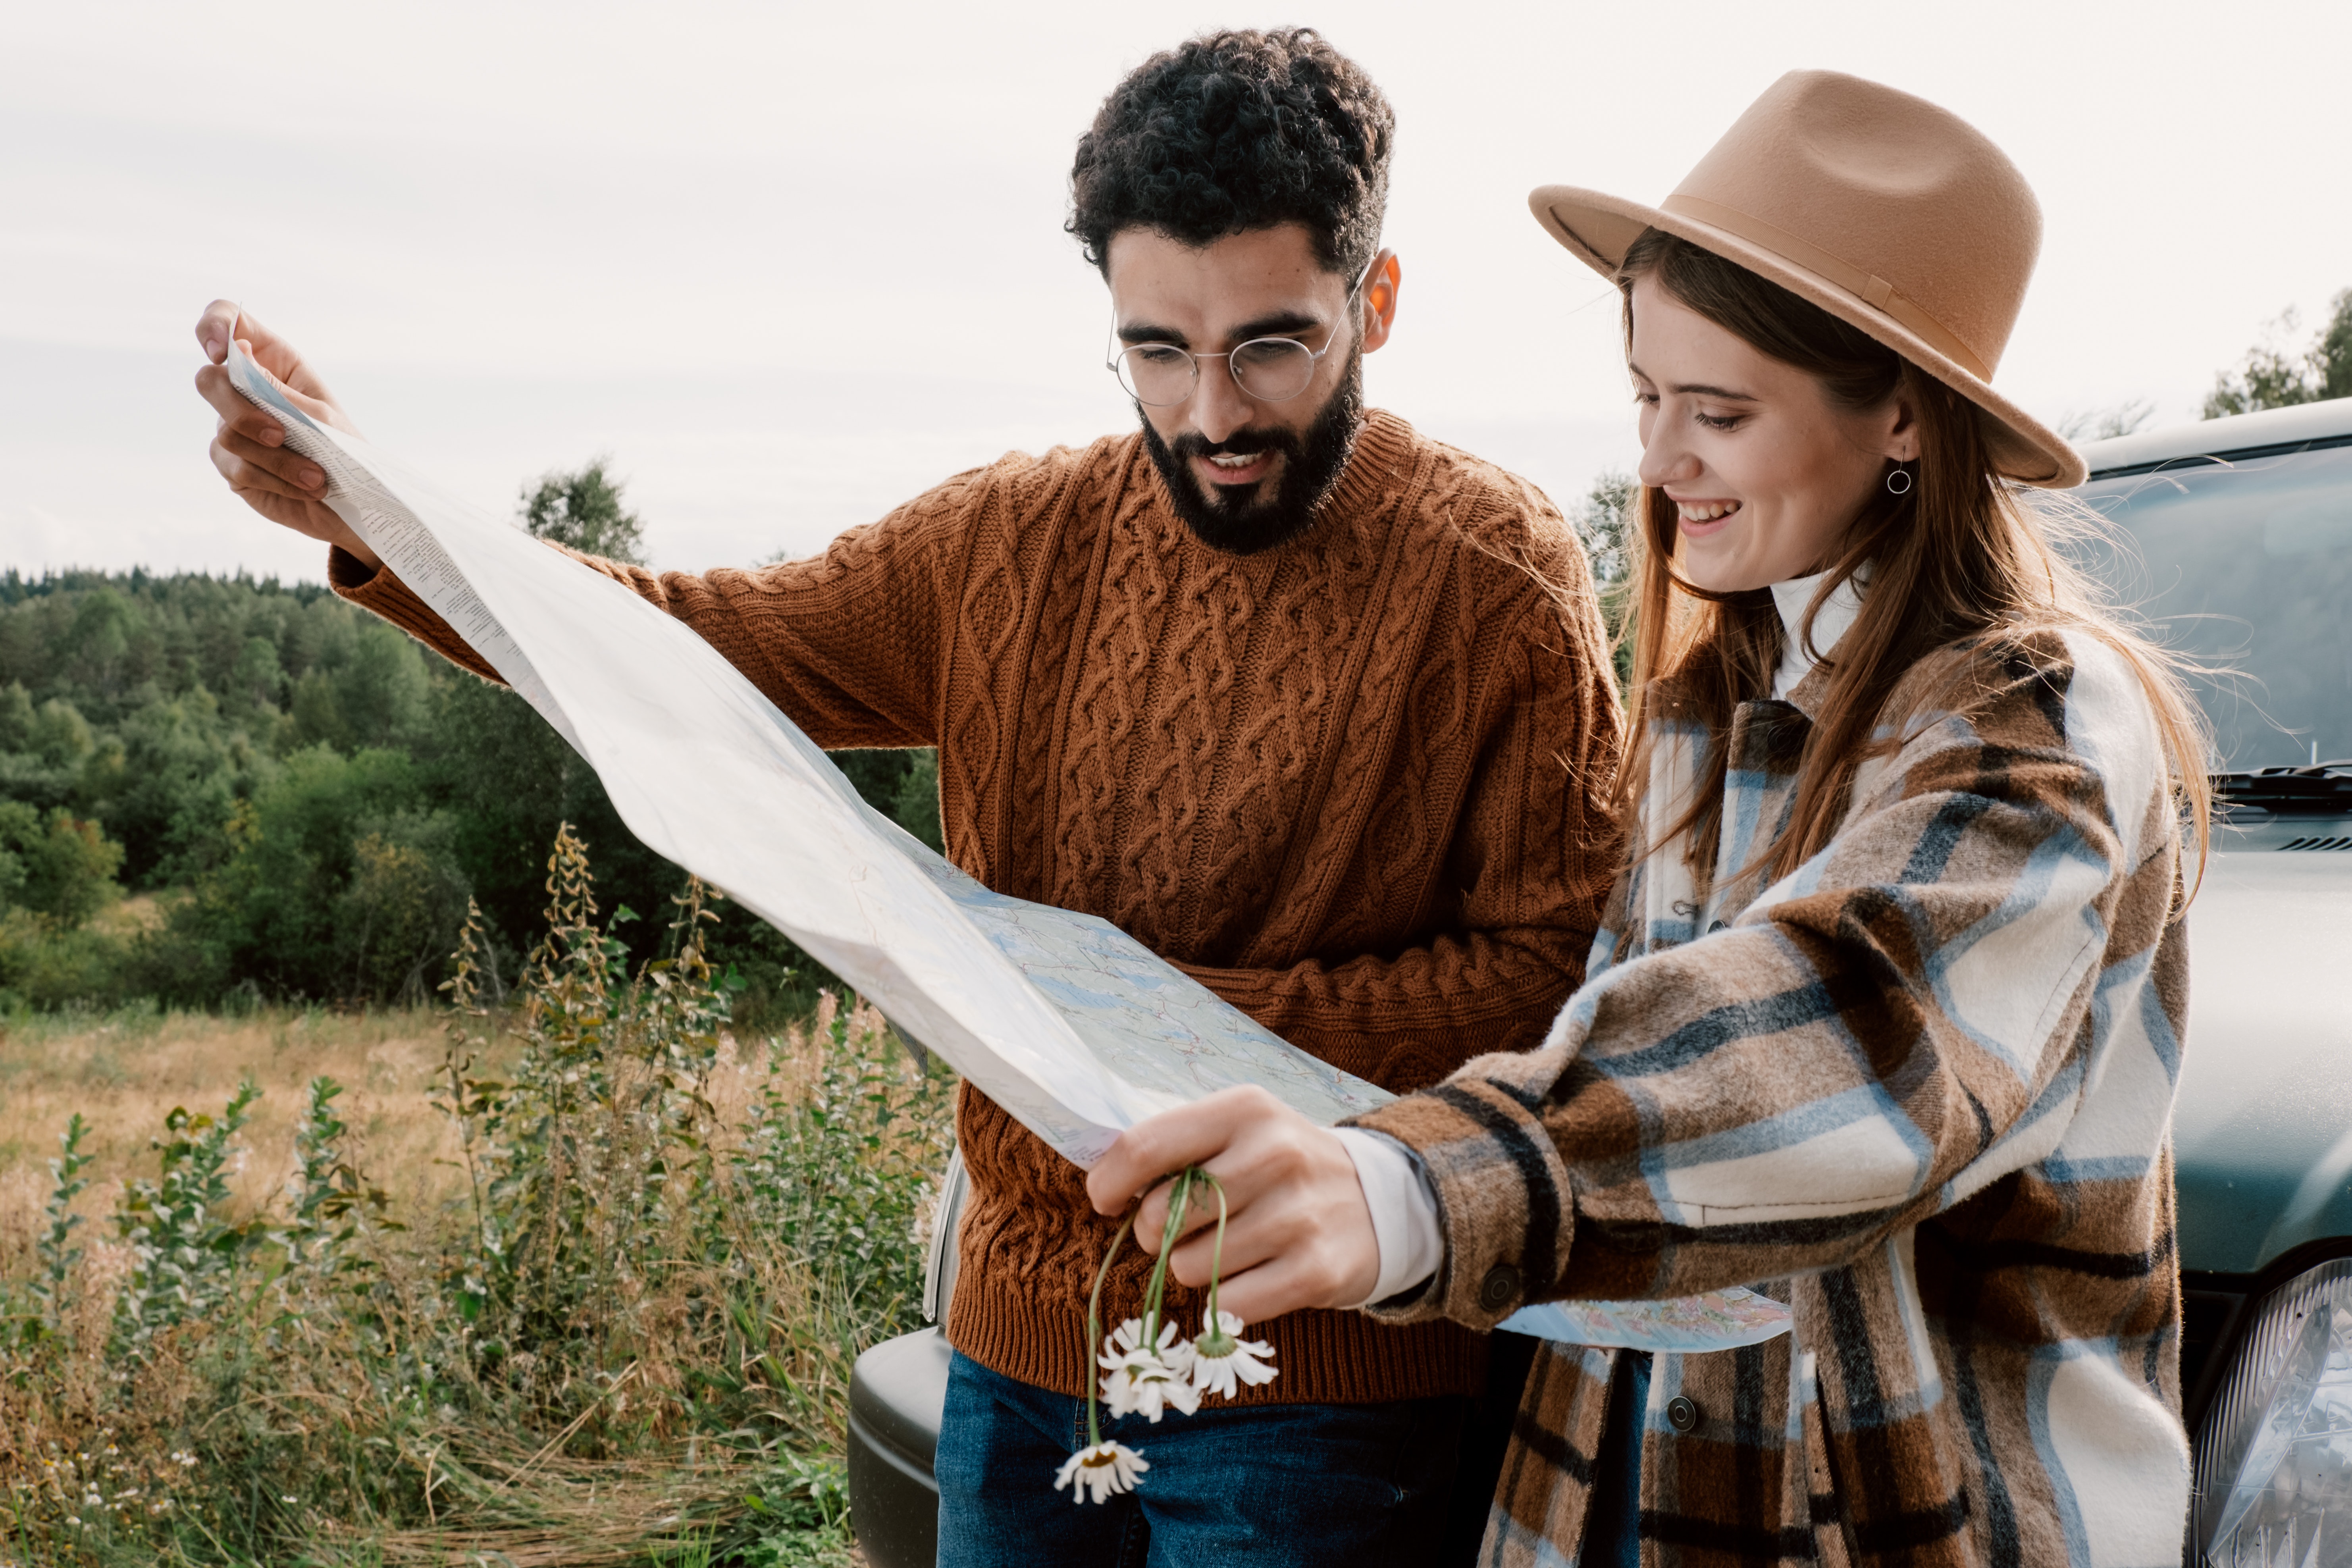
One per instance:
(1271, 370)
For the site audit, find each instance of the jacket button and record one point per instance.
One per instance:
(1499, 1288)
(1682, 1414)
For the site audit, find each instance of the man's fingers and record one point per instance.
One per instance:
(1190, 1135)
(224, 322)
(293, 380)
(307, 479)
(246, 419)
(216, 328)
(245, 472)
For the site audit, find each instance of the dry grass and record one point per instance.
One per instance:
(126, 1071)
(491, 1491)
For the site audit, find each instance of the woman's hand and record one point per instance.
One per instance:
(1299, 1232)
(249, 447)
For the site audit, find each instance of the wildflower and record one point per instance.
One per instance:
(1101, 1471)
(1143, 1380)
(1221, 1356)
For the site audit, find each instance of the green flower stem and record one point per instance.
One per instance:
(1153, 1294)
(1094, 1328)
(1214, 1340)
(1216, 1256)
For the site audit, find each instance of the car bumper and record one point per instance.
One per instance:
(896, 1391)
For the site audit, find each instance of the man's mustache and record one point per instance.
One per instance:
(1240, 443)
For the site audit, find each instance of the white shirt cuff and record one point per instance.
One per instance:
(1404, 1210)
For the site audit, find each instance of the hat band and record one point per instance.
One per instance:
(1868, 287)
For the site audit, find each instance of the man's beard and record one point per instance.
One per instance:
(1241, 523)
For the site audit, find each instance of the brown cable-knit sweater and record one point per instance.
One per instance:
(1354, 785)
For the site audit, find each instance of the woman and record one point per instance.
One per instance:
(1885, 1017)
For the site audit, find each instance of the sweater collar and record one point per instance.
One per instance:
(1378, 467)
(1380, 460)
(1831, 624)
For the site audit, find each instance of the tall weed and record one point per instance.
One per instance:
(628, 1340)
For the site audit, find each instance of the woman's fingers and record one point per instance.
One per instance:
(1288, 1284)
(1299, 1232)
(1192, 1134)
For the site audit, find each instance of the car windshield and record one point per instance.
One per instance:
(2246, 566)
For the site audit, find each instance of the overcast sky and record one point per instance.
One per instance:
(787, 264)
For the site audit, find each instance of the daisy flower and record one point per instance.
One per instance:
(1221, 1357)
(1101, 1471)
(1144, 1379)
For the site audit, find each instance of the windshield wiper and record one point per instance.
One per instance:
(2323, 791)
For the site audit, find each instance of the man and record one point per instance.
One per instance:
(1309, 704)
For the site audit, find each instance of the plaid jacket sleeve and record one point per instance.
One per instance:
(1882, 1034)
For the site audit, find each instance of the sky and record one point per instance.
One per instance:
(787, 264)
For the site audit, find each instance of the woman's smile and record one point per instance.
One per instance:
(1701, 518)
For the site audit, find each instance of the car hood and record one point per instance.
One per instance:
(2262, 1129)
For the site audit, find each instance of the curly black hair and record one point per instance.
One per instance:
(1239, 131)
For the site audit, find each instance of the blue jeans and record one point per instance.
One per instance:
(1271, 1486)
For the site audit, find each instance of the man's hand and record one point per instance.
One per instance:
(1299, 1232)
(249, 447)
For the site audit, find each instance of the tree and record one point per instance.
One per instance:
(2106, 424)
(2274, 376)
(58, 866)
(1605, 521)
(582, 509)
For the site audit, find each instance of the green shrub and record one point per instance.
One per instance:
(55, 865)
(242, 740)
(628, 1341)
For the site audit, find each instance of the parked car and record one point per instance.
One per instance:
(2237, 538)
(2233, 537)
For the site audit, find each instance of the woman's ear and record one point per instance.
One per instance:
(1902, 443)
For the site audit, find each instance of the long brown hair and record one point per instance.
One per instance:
(1959, 556)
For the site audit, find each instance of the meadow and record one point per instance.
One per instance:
(569, 1275)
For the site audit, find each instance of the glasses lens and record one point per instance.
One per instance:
(1156, 373)
(1274, 369)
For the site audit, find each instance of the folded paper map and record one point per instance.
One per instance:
(1066, 1021)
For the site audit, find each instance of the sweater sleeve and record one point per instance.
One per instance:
(848, 642)
(1532, 856)
(1903, 1020)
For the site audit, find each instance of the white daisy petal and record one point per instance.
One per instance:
(1101, 1471)
(1236, 1360)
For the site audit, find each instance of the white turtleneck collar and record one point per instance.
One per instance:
(1837, 614)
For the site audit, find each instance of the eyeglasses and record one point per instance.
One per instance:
(1271, 370)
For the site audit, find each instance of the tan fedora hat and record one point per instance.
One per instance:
(1881, 208)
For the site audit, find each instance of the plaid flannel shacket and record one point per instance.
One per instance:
(1921, 1090)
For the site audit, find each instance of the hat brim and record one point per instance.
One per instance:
(1598, 229)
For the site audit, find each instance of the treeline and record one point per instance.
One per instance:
(296, 800)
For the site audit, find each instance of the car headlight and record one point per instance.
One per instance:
(2274, 1464)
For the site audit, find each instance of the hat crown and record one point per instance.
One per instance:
(1903, 194)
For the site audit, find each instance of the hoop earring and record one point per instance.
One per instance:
(1902, 473)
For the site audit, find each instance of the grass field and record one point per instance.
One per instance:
(578, 1283)
(124, 1072)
